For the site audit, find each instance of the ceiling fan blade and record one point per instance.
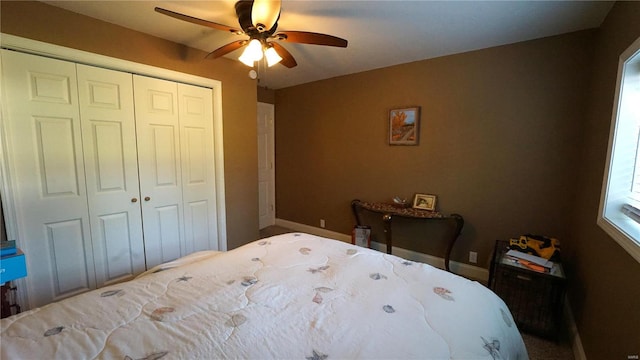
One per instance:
(195, 20)
(287, 58)
(265, 13)
(223, 50)
(305, 37)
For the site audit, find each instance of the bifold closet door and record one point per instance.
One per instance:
(198, 167)
(111, 166)
(46, 166)
(176, 162)
(158, 135)
(110, 172)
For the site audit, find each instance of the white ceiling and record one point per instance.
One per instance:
(380, 33)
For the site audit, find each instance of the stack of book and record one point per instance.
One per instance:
(8, 248)
(532, 262)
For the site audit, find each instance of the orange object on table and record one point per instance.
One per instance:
(531, 265)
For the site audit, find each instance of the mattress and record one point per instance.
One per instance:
(292, 296)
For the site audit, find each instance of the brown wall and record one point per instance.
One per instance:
(499, 140)
(266, 95)
(514, 138)
(45, 23)
(605, 279)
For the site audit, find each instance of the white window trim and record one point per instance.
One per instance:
(622, 227)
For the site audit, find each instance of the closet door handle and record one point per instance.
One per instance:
(134, 200)
(146, 198)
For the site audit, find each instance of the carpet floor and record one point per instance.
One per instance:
(543, 349)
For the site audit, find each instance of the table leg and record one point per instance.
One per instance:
(4, 306)
(457, 223)
(386, 218)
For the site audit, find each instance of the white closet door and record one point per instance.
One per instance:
(111, 165)
(198, 167)
(158, 131)
(47, 172)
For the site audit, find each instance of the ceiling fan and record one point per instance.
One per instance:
(258, 20)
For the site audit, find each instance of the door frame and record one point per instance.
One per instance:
(35, 47)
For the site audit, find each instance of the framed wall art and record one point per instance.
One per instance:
(424, 202)
(404, 126)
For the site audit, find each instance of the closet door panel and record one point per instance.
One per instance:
(46, 170)
(65, 243)
(158, 134)
(169, 220)
(110, 153)
(56, 154)
(198, 167)
(162, 149)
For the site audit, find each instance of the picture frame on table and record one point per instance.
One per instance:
(404, 126)
(424, 202)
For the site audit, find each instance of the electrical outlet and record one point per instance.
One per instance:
(473, 257)
(322, 223)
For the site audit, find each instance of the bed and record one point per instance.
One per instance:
(291, 296)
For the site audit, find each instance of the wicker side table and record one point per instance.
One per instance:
(535, 299)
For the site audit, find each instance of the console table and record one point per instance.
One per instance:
(389, 211)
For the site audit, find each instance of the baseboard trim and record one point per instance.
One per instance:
(313, 230)
(574, 336)
(466, 270)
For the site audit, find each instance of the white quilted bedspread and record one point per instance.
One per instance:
(293, 296)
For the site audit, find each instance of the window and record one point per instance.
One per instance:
(619, 213)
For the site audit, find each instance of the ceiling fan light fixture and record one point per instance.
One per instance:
(258, 20)
(246, 59)
(272, 56)
(252, 53)
(265, 13)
